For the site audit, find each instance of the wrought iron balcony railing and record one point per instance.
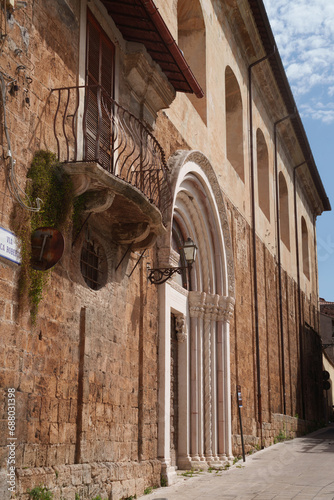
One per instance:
(90, 126)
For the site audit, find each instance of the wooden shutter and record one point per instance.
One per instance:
(100, 74)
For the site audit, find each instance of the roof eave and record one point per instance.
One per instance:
(158, 21)
(268, 42)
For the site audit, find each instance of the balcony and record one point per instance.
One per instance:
(110, 154)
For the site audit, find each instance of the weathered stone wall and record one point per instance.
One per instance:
(280, 428)
(243, 342)
(86, 374)
(115, 418)
(244, 372)
(39, 53)
(109, 480)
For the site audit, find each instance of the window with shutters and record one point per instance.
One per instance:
(100, 80)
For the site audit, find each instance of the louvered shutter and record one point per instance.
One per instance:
(100, 73)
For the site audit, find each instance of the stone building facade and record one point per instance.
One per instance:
(173, 120)
(327, 326)
(327, 338)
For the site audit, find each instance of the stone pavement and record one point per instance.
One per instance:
(302, 469)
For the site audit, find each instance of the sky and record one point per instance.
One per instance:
(304, 33)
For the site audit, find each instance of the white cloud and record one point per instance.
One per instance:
(318, 111)
(304, 33)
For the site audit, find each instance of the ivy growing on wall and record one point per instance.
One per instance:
(47, 181)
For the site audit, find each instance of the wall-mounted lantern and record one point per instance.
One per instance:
(158, 276)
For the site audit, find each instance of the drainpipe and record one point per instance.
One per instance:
(256, 308)
(279, 257)
(299, 297)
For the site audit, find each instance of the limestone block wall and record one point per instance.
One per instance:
(281, 428)
(86, 381)
(300, 383)
(86, 375)
(242, 330)
(86, 387)
(39, 52)
(109, 480)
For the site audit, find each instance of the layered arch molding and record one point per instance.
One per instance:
(203, 308)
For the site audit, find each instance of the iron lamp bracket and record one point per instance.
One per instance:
(158, 276)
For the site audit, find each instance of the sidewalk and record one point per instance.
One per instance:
(302, 468)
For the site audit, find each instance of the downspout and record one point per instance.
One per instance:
(299, 297)
(256, 308)
(279, 258)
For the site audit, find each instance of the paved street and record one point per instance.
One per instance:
(302, 469)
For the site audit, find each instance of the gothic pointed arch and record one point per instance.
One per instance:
(199, 208)
(194, 375)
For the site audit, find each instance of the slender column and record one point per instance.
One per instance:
(220, 392)
(164, 388)
(207, 391)
(194, 407)
(196, 311)
(200, 388)
(227, 379)
(183, 458)
(225, 312)
(227, 392)
(214, 392)
(210, 315)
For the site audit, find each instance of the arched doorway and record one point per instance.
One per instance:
(194, 315)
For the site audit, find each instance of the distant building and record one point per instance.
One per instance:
(327, 326)
(327, 338)
(174, 120)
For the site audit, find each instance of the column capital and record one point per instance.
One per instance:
(211, 306)
(227, 308)
(180, 327)
(196, 304)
